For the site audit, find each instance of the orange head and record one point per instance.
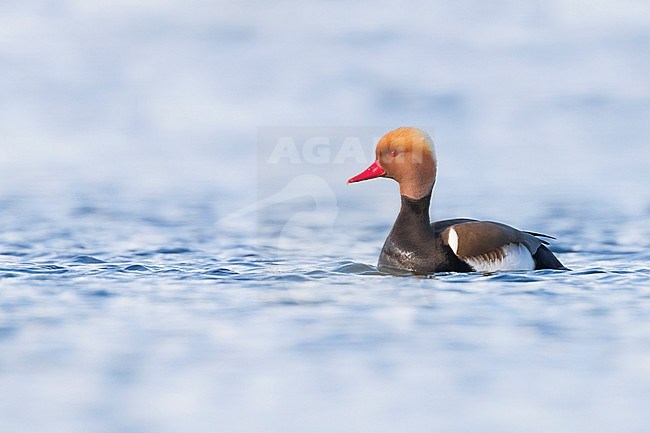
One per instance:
(406, 155)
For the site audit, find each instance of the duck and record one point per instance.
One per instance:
(414, 244)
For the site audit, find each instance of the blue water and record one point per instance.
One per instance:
(176, 255)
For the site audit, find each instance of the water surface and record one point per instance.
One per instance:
(159, 272)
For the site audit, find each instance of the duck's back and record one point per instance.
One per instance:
(464, 245)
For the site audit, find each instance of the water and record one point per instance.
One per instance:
(165, 268)
(120, 315)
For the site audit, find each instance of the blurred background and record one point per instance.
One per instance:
(553, 92)
(134, 137)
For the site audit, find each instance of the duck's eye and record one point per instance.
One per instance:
(393, 152)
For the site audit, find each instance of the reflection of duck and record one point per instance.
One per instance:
(294, 229)
(458, 245)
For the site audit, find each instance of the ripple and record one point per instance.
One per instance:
(592, 271)
(244, 264)
(164, 251)
(13, 253)
(220, 272)
(179, 250)
(137, 268)
(356, 269)
(293, 277)
(514, 278)
(43, 269)
(317, 273)
(87, 260)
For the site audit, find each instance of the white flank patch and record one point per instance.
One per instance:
(452, 240)
(516, 257)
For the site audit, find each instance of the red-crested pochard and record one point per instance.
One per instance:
(414, 244)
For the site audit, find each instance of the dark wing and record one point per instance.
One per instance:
(541, 235)
(439, 226)
(485, 238)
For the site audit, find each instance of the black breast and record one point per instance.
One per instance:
(415, 245)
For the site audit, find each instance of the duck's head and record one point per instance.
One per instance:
(408, 156)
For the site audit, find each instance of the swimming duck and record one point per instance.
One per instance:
(414, 244)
